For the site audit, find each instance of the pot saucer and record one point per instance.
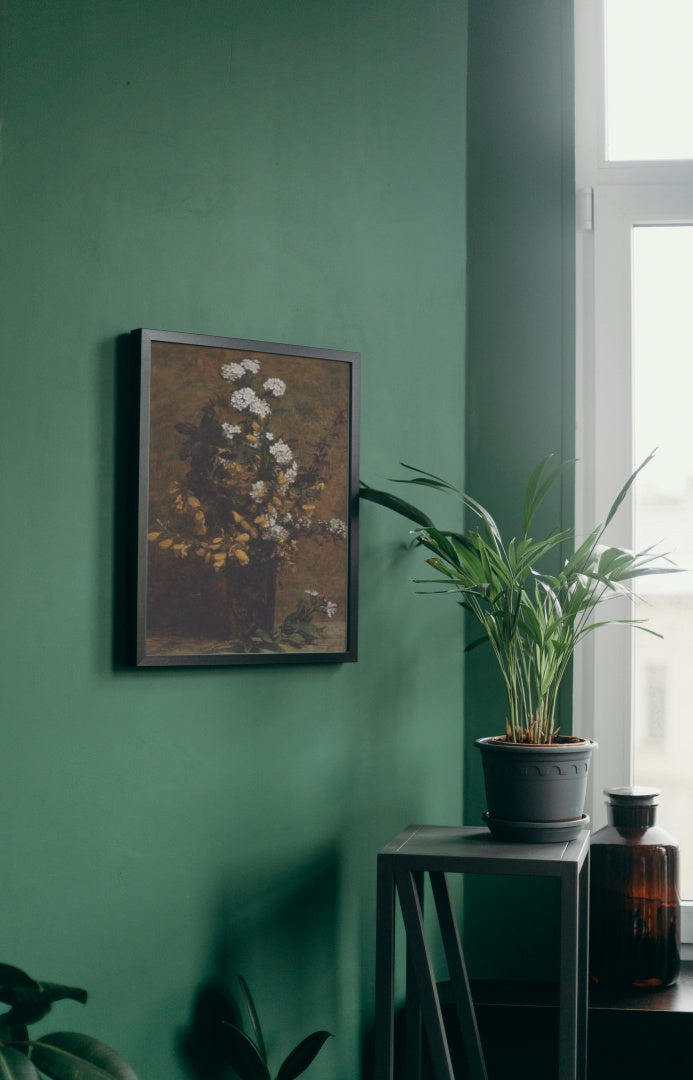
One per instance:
(535, 832)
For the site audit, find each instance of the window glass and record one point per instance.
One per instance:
(662, 355)
(649, 79)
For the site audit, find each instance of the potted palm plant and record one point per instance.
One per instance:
(533, 618)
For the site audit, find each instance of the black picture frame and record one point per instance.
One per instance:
(248, 501)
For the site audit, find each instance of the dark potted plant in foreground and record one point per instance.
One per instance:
(225, 1034)
(62, 1055)
(533, 619)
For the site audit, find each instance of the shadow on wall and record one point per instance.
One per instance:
(279, 930)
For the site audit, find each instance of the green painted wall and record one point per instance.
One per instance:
(280, 171)
(520, 363)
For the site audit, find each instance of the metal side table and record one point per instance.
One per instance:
(437, 851)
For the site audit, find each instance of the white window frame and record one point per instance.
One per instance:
(611, 198)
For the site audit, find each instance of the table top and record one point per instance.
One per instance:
(464, 849)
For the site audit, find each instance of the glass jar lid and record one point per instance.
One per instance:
(632, 796)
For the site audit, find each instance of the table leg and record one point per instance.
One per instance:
(385, 971)
(413, 1043)
(583, 968)
(568, 984)
(458, 977)
(425, 978)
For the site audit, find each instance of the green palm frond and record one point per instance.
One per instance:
(532, 618)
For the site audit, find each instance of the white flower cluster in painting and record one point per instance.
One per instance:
(246, 497)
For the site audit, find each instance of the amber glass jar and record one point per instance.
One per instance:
(635, 915)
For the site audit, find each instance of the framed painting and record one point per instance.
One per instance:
(248, 498)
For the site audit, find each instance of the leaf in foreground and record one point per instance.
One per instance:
(253, 1017)
(301, 1056)
(67, 1055)
(14, 1065)
(31, 1000)
(243, 1055)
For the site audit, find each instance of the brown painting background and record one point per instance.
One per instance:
(184, 378)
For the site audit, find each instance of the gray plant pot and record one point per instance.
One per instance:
(535, 794)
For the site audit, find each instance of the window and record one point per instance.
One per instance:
(651, 709)
(634, 165)
(648, 80)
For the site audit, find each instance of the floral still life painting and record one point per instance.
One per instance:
(248, 488)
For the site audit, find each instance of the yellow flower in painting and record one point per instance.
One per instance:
(251, 438)
(166, 544)
(153, 535)
(243, 538)
(308, 507)
(236, 517)
(260, 520)
(193, 502)
(242, 557)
